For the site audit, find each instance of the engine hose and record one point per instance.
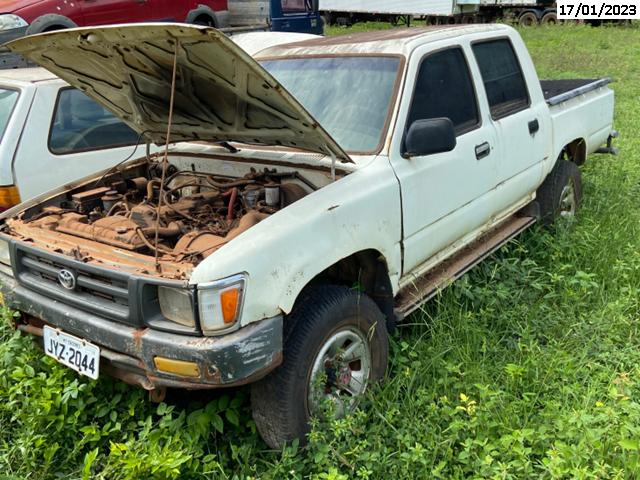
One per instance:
(175, 210)
(117, 205)
(209, 178)
(223, 185)
(150, 185)
(186, 185)
(172, 230)
(232, 201)
(142, 237)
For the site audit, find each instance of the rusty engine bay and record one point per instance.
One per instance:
(193, 213)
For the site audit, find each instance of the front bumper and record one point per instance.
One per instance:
(128, 353)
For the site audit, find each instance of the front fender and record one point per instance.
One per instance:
(283, 253)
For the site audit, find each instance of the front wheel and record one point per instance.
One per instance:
(335, 347)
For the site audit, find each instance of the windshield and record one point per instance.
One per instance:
(349, 96)
(8, 99)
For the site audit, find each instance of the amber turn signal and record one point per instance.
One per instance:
(9, 197)
(229, 300)
(220, 303)
(177, 367)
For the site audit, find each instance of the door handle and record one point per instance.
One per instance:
(483, 150)
(534, 126)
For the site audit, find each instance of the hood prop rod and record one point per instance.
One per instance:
(333, 166)
(165, 159)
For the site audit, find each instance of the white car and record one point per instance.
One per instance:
(353, 178)
(51, 133)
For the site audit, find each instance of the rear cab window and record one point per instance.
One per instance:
(502, 76)
(444, 88)
(80, 124)
(8, 100)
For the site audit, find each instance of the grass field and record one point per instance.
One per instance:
(529, 367)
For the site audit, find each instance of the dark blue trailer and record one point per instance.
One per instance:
(301, 16)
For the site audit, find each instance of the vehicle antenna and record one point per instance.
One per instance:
(165, 159)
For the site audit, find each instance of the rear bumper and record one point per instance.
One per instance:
(610, 149)
(128, 353)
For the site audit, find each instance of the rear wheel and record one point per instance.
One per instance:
(528, 19)
(204, 21)
(549, 18)
(335, 347)
(560, 194)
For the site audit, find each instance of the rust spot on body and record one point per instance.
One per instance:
(137, 338)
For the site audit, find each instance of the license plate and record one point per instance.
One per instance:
(75, 353)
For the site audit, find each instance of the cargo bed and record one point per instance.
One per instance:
(558, 91)
(581, 111)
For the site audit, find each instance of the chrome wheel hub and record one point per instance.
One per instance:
(340, 372)
(568, 204)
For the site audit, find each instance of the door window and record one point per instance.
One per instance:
(294, 6)
(80, 124)
(8, 99)
(444, 88)
(502, 76)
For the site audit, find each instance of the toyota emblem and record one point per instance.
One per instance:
(67, 279)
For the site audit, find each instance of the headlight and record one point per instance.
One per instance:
(8, 21)
(220, 303)
(176, 304)
(5, 257)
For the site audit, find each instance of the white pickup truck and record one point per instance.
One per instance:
(331, 187)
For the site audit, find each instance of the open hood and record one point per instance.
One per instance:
(222, 94)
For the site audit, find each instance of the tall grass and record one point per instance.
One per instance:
(528, 367)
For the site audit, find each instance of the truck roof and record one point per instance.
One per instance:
(27, 75)
(396, 41)
(254, 42)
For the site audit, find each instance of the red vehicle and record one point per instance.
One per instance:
(27, 17)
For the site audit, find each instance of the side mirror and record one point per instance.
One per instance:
(428, 136)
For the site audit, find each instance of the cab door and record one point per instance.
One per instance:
(107, 12)
(520, 117)
(444, 195)
(295, 16)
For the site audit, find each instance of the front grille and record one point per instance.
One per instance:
(100, 291)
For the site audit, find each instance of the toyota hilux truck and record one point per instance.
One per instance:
(315, 195)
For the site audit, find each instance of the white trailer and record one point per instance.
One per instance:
(385, 7)
(525, 12)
